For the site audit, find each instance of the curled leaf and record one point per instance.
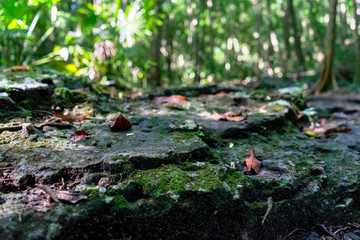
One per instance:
(252, 162)
(72, 118)
(80, 136)
(171, 99)
(120, 123)
(336, 130)
(17, 68)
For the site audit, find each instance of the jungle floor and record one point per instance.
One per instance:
(239, 160)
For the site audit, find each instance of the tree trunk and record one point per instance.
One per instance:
(357, 43)
(155, 54)
(258, 24)
(297, 36)
(287, 49)
(343, 21)
(271, 47)
(327, 79)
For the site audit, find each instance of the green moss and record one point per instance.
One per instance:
(171, 179)
(180, 137)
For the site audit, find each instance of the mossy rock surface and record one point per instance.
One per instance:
(177, 173)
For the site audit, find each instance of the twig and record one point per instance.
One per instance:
(53, 124)
(270, 205)
(21, 212)
(11, 128)
(291, 233)
(6, 168)
(331, 234)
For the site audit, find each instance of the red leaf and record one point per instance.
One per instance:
(229, 116)
(171, 99)
(336, 130)
(80, 136)
(120, 123)
(252, 162)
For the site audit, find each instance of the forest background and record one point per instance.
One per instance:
(140, 44)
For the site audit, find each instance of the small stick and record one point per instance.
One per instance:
(53, 124)
(270, 205)
(6, 168)
(21, 212)
(11, 128)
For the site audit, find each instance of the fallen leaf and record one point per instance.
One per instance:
(311, 134)
(80, 136)
(105, 182)
(229, 116)
(51, 193)
(171, 99)
(336, 130)
(222, 93)
(120, 123)
(263, 107)
(17, 68)
(69, 197)
(72, 118)
(252, 162)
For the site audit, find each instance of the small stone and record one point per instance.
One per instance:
(93, 143)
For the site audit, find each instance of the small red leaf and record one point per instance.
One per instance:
(252, 162)
(171, 99)
(80, 136)
(120, 123)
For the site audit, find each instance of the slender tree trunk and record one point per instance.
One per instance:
(271, 47)
(287, 49)
(315, 25)
(170, 47)
(297, 36)
(155, 54)
(327, 79)
(357, 42)
(259, 23)
(342, 12)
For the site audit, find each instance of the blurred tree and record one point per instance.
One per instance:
(357, 40)
(327, 79)
(297, 36)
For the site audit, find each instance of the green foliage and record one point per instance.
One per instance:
(198, 41)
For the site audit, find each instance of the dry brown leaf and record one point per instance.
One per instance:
(336, 130)
(72, 118)
(263, 107)
(120, 123)
(17, 68)
(51, 193)
(252, 162)
(69, 197)
(171, 99)
(229, 116)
